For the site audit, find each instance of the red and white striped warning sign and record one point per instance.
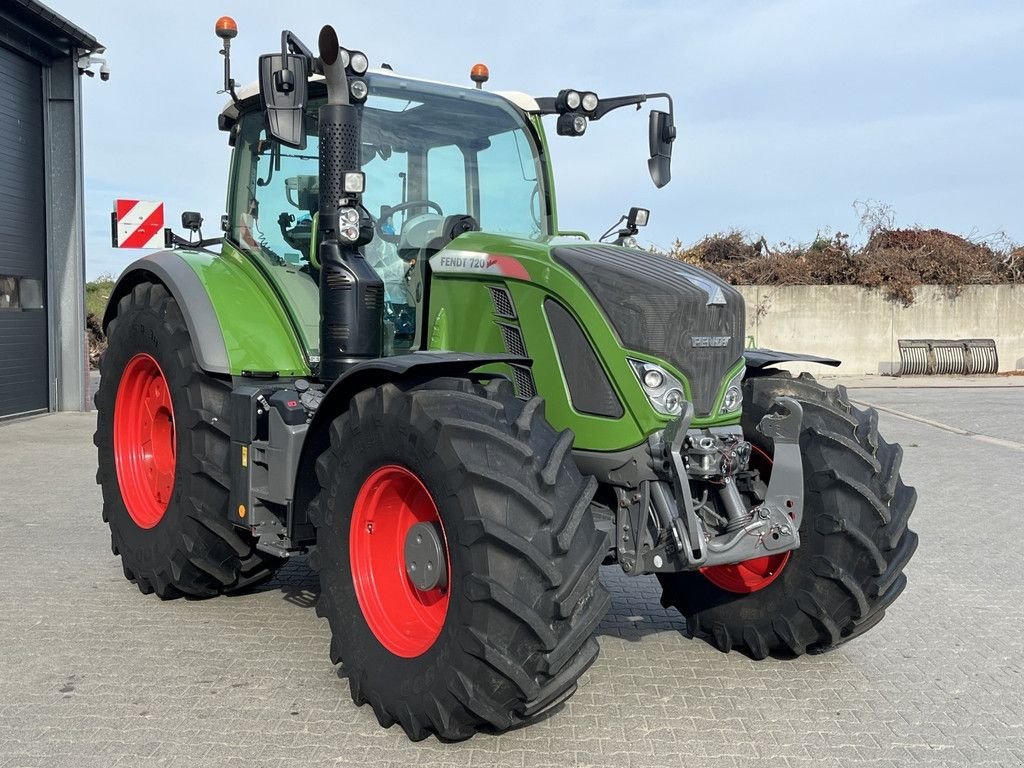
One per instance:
(138, 224)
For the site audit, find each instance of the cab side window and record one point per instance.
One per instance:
(509, 201)
(446, 179)
(284, 196)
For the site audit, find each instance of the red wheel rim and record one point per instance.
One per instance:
(404, 620)
(144, 444)
(750, 575)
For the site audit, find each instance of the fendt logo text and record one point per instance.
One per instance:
(710, 341)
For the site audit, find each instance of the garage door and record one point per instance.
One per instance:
(23, 339)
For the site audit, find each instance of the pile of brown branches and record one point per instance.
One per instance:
(892, 260)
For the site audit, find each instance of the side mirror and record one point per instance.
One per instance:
(283, 84)
(661, 133)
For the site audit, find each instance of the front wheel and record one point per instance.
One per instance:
(457, 555)
(854, 537)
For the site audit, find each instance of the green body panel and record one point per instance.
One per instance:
(461, 318)
(258, 333)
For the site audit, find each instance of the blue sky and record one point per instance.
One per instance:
(787, 111)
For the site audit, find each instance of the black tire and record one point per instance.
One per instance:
(854, 540)
(193, 549)
(524, 554)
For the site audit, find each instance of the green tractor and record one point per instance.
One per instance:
(399, 365)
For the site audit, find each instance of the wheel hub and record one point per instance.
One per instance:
(144, 440)
(395, 524)
(425, 558)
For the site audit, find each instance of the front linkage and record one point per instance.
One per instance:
(694, 496)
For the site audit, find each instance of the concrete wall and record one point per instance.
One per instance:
(861, 327)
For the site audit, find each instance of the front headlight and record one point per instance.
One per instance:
(732, 401)
(664, 391)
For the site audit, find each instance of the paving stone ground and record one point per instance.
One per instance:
(92, 673)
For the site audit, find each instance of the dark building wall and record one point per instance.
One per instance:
(43, 360)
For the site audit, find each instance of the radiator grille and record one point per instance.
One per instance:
(338, 280)
(373, 297)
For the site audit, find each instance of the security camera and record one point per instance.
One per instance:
(100, 50)
(87, 62)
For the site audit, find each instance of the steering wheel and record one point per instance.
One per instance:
(389, 211)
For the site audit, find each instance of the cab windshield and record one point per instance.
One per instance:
(432, 149)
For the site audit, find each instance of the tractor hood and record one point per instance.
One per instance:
(666, 309)
(654, 305)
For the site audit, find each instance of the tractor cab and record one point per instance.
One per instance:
(438, 160)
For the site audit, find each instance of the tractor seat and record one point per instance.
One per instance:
(424, 235)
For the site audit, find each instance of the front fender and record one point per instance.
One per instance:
(372, 373)
(761, 358)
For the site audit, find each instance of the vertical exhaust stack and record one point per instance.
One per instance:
(351, 292)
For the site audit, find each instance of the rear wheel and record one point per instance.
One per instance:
(854, 540)
(457, 555)
(162, 439)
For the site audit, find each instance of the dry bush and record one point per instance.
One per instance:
(97, 341)
(899, 260)
(893, 260)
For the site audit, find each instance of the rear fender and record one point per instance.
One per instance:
(237, 321)
(174, 273)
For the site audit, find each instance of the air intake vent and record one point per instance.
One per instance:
(514, 344)
(373, 295)
(338, 332)
(339, 281)
(502, 300)
(522, 380)
(589, 388)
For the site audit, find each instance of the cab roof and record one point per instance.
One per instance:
(521, 100)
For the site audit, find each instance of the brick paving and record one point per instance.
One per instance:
(92, 673)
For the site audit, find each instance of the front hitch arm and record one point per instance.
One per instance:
(690, 540)
(786, 488)
(773, 526)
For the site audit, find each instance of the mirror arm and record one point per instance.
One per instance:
(290, 43)
(604, 106)
(173, 240)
